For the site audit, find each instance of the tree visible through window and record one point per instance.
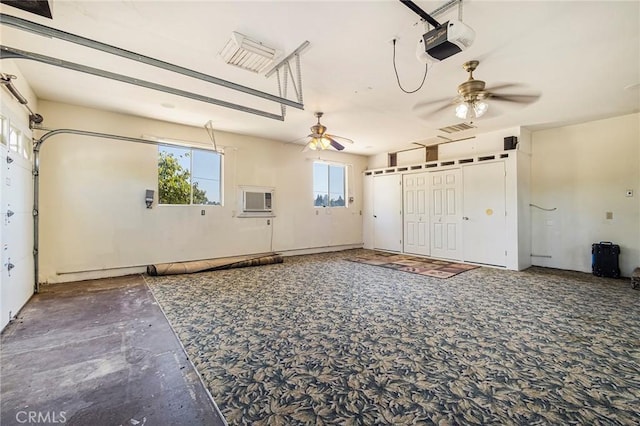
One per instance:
(189, 176)
(328, 185)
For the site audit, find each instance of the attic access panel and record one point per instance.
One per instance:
(39, 7)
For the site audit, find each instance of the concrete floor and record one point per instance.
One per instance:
(98, 353)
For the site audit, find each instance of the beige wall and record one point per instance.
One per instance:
(583, 172)
(94, 221)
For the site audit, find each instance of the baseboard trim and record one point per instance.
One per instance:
(315, 250)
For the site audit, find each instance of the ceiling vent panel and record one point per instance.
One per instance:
(250, 55)
(457, 128)
(39, 7)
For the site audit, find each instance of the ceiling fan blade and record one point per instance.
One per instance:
(334, 143)
(342, 138)
(503, 86)
(448, 101)
(298, 140)
(519, 99)
(438, 110)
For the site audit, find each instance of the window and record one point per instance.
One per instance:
(189, 176)
(27, 147)
(3, 140)
(329, 183)
(14, 139)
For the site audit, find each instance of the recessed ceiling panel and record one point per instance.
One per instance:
(39, 7)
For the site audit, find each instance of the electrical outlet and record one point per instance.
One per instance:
(268, 222)
(609, 215)
(202, 212)
(629, 193)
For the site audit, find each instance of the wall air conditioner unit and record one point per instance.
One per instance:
(256, 201)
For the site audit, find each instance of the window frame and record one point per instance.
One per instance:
(190, 149)
(4, 122)
(17, 147)
(345, 188)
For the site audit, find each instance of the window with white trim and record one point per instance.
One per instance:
(14, 139)
(3, 139)
(27, 147)
(189, 176)
(329, 184)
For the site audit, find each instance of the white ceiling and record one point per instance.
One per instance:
(583, 57)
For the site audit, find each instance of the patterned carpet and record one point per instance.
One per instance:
(319, 340)
(416, 265)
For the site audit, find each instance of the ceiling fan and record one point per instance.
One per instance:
(321, 140)
(472, 98)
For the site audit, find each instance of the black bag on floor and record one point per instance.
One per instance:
(604, 259)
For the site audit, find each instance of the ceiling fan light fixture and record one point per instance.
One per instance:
(471, 109)
(479, 108)
(324, 143)
(462, 111)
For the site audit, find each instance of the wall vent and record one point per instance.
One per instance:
(457, 128)
(250, 55)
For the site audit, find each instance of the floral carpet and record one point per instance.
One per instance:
(414, 264)
(320, 340)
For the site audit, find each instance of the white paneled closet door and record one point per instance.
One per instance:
(416, 214)
(387, 212)
(484, 213)
(445, 214)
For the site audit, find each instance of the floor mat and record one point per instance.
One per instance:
(415, 265)
(213, 264)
